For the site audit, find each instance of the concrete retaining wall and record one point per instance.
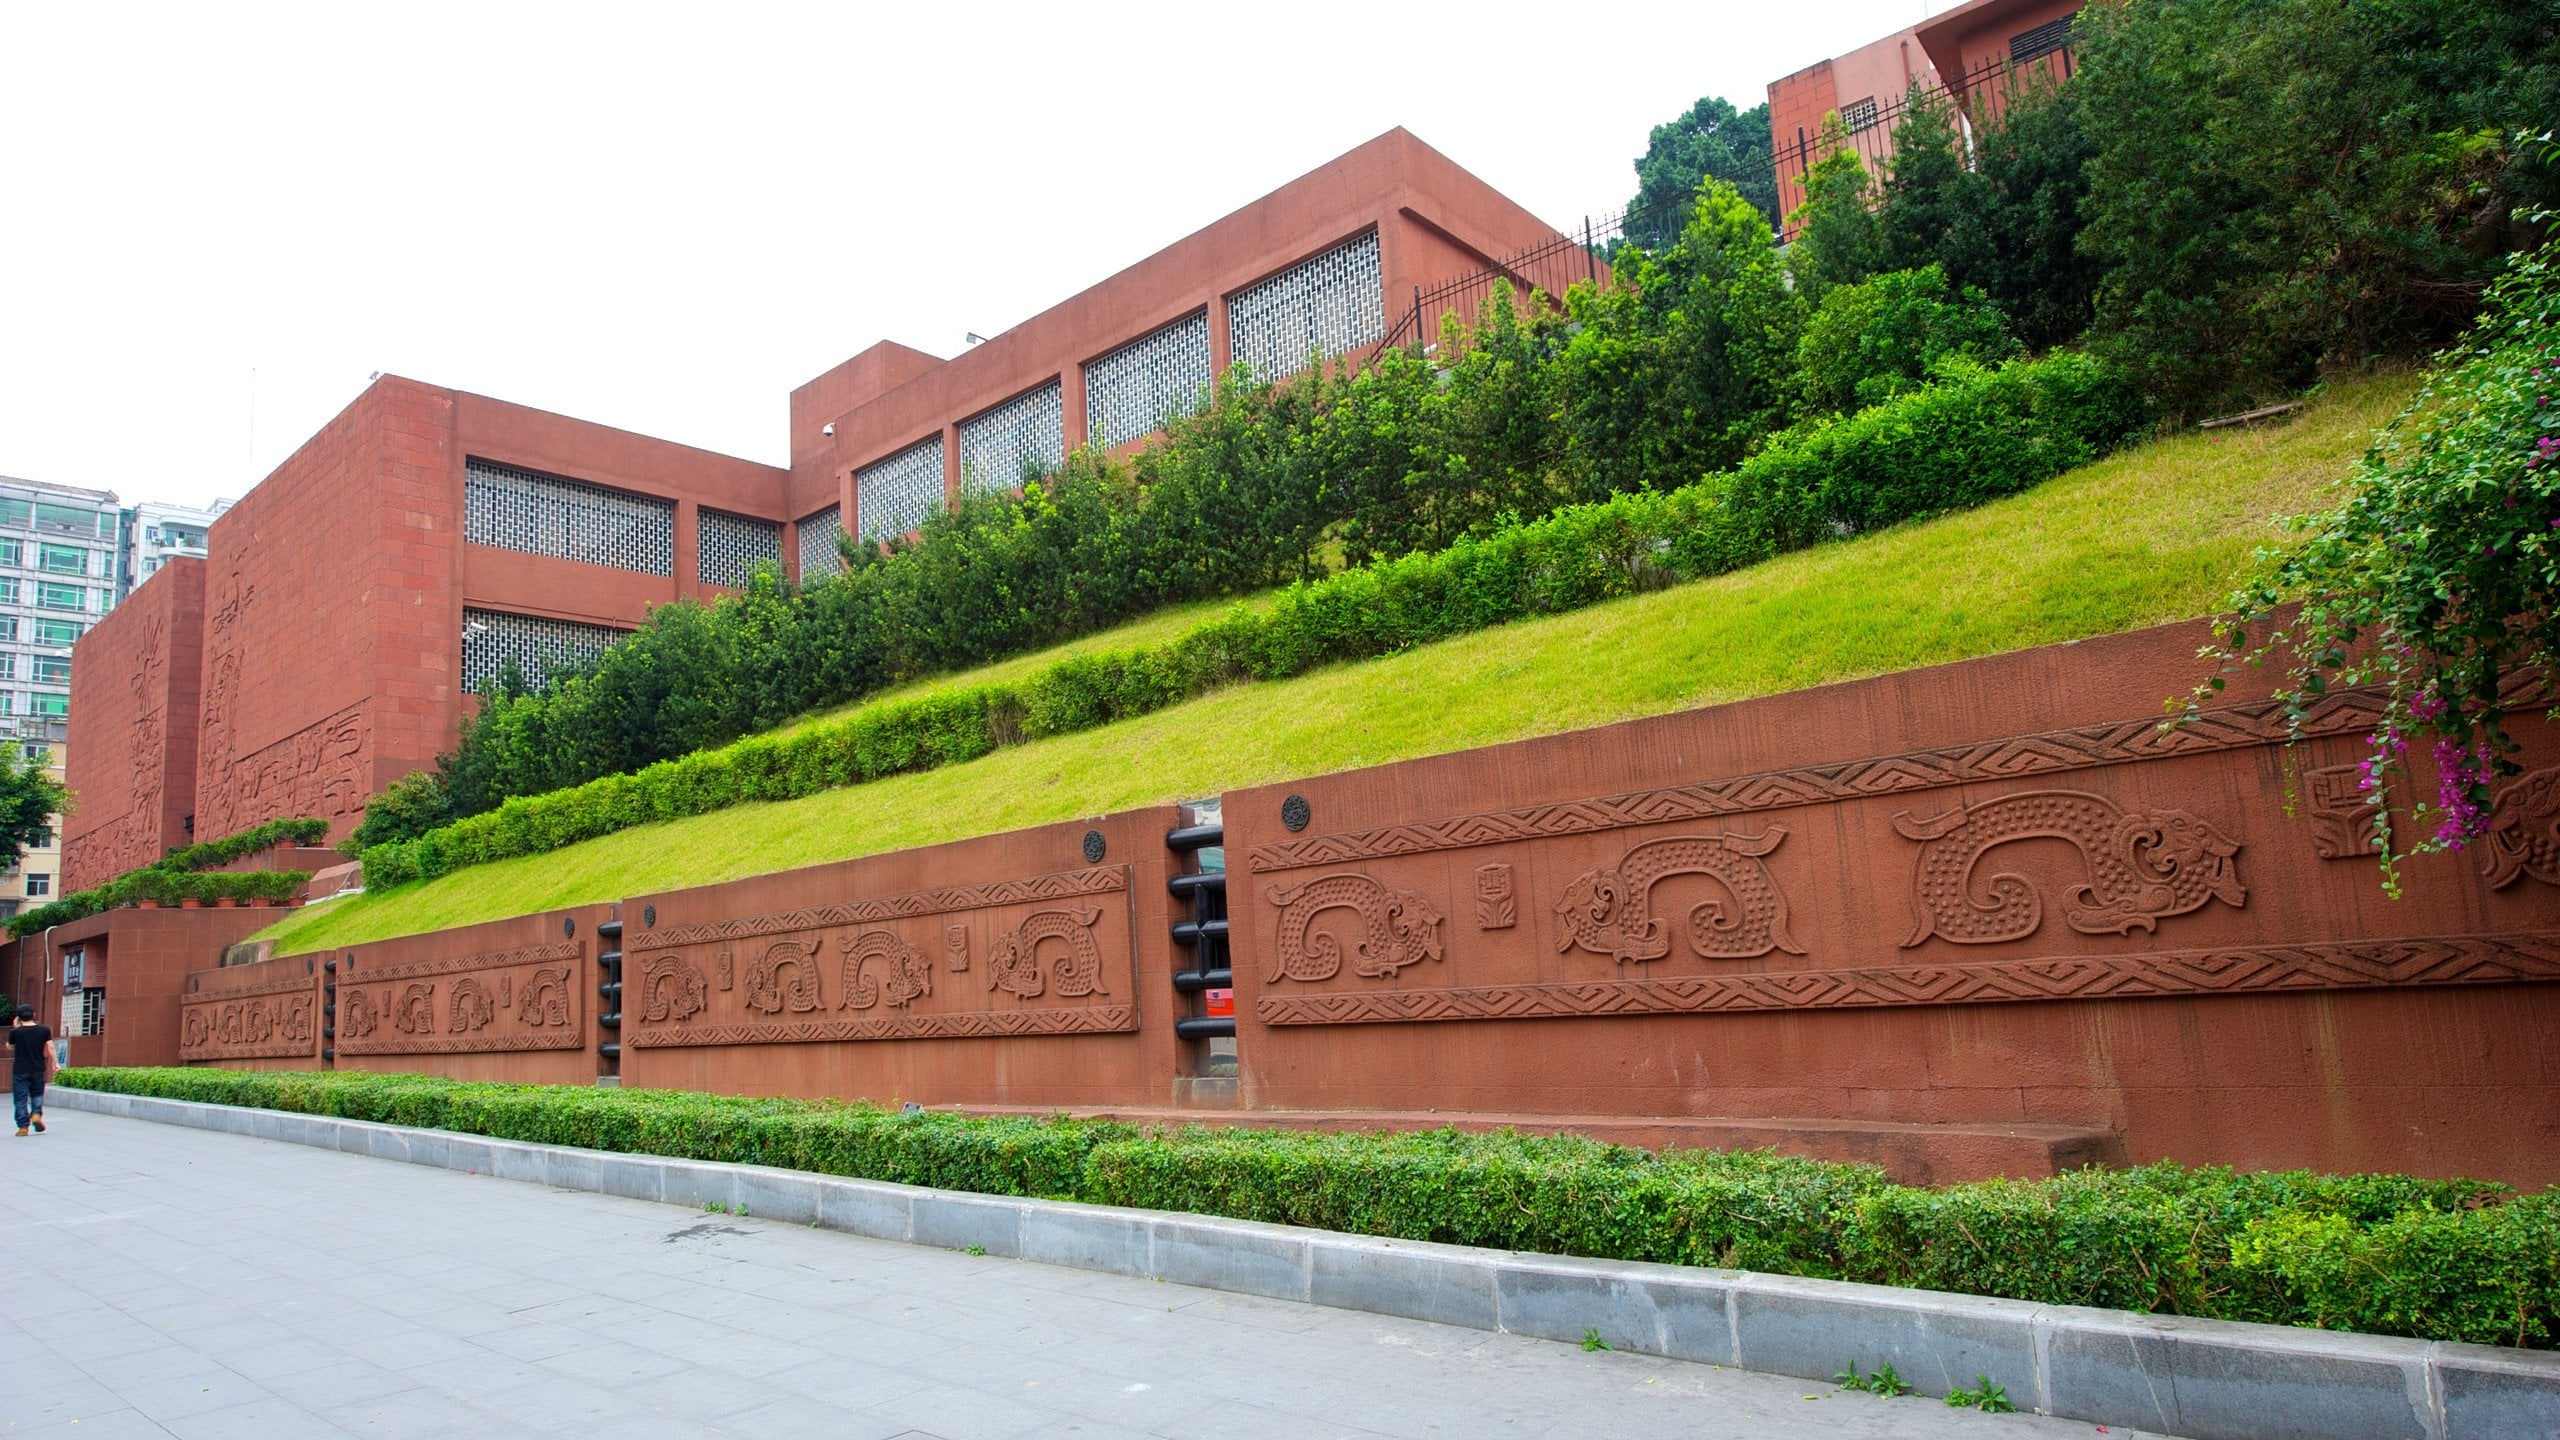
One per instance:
(2209, 1379)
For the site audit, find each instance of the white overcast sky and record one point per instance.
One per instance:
(665, 217)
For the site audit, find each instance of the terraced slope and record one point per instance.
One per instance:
(2156, 534)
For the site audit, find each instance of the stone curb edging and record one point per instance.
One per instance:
(2205, 1379)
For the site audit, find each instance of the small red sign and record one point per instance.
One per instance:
(1222, 1003)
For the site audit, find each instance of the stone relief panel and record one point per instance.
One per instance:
(2524, 835)
(494, 1001)
(1059, 959)
(271, 1018)
(1607, 911)
(2341, 813)
(2142, 867)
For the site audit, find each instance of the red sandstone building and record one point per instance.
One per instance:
(1970, 55)
(426, 538)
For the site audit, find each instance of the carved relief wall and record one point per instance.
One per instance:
(274, 1014)
(131, 761)
(1055, 957)
(529, 997)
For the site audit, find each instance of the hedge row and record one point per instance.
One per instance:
(2389, 1254)
(169, 880)
(1982, 433)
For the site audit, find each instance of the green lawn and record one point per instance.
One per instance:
(2156, 534)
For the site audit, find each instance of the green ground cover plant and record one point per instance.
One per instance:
(1974, 436)
(173, 880)
(2155, 534)
(2389, 1254)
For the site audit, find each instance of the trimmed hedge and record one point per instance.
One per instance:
(170, 880)
(1982, 434)
(2389, 1254)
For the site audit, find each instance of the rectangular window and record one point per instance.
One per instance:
(1324, 305)
(15, 513)
(62, 559)
(538, 515)
(8, 589)
(8, 666)
(1024, 437)
(70, 520)
(894, 496)
(51, 705)
(37, 752)
(11, 551)
(2041, 41)
(49, 669)
(55, 632)
(41, 839)
(491, 639)
(8, 627)
(728, 548)
(1135, 390)
(84, 1012)
(1859, 114)
(54, 595)
(38, 885)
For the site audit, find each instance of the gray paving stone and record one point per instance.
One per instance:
(1248, 1259)
(2489, 1392)
(1396, 1277)
(958, 1222)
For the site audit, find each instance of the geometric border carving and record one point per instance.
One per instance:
(303, 985)
(2528, 957)
(454, 964)
(1102, 881)
(1078, 1020)
(2051, 753)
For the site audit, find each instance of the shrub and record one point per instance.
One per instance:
(168, 881)
(1884, 337)
(2391, 1254)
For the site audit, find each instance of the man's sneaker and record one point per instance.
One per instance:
(39, 1124)
(22, 1130)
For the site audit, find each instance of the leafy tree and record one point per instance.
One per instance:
(1839, 240)
(2277, 182)
(29, 799)
(1869, 342)
(1712, 141)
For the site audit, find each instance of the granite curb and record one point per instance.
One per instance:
(2205, 1379)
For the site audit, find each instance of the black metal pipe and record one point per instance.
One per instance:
(1191, 982)
(611, 989)
(611, 1050)
(1194, 837)
(1203, 1027)
(610, 1020)
(609, 930)
(1192, 932)
(1182, 886)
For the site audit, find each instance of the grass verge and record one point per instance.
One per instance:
(2389, 1254)
(2155, 534)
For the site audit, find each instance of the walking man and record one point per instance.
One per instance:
(30, 1065)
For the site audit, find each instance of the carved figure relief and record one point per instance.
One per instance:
(909, 974)
(784, 977)
(414, 1013)
(1399, 928)
(672, 989)
(1609, 912)
(544, 1002)
(2341, 813)
(2142, 867)
(506, 992)
(955, 948)
(725, 967)
(195, 1030)
(293, 1018)
(357, 1013)
(473, 1005)
(1495, 909)
(2524, 834)
(1013, 965)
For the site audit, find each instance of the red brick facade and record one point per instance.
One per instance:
(133, 766)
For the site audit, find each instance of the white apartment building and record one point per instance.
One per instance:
(154, 531)
(61, 564)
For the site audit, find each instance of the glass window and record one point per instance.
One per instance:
(62, 559)
(41, 840)
(68, 519)
(38, 884)
(8, 627)
(15, 512)
(56, 632)
(8, 703)
(8, 589)
(53, 705)
(539, 515)
(10, 552)
(54, 595)
(50, 669)
(37, 752)
(8, 666)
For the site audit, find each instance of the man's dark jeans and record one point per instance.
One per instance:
(26, 1096)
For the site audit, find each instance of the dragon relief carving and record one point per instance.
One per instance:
(784, 977)
(414, 1013)
(1609, 911)
(195, 1030)
(1399, 928)
(909, 977)
(544, 1000)
(2524, 835)
(358, 1013)
(672, 989)
(473, 1006)
(1013, 963)
(2143, 867)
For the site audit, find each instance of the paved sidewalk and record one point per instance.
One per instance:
(156, 1280)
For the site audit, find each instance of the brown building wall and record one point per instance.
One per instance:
(141, 959)
(1433, 220)
(511, 1000)
(131, 757)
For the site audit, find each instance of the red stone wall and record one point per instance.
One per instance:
(131, 759)
(510, 1000)
(1981, 894)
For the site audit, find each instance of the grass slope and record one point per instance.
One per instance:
(2156, 534)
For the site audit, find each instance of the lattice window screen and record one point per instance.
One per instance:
(1141, 387)
(730, 547)
(538, 515)
(1027, 432)
(2041, 41)
(894, 496)
(819, 556)
(1325, 305)
(491, 638)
